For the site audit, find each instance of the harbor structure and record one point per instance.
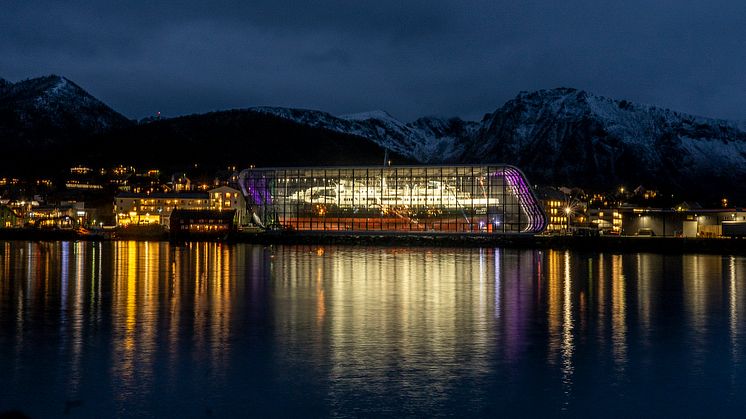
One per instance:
(459, 199)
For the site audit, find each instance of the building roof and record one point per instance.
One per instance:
(225, 216)
(547, 192)
(224, 188)
(165, 195)
(486, 167)
(642, 210)
(688, 205)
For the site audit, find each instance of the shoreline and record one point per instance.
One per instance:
(621, 244)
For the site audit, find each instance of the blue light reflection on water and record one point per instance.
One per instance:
(137, 328)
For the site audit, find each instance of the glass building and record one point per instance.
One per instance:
(462, 199)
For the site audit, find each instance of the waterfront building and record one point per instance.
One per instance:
(606, 220)
(64, 214)
(225, 198)
(155, 208)
(202, 222)
(556, 204)
(464, 199)
(678, 222)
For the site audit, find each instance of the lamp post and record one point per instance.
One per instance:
(567, 215)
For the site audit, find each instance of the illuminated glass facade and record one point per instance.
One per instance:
(459, 199)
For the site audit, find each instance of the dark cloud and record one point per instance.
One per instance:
(411, 58)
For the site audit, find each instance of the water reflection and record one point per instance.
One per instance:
(619, 314)
(702, 291)
(735, 290)
(130, 328)
(567, 329)
(735, 323)
(387, 313)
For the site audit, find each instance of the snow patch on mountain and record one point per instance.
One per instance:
(715, 154)
(364, 116)
(423, 140)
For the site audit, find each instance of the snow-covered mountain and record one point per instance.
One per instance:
(560, 136)
(427, 140)
(45, 108)
(573, 137)
(565, 136)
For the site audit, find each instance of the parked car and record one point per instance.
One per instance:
(645, 232)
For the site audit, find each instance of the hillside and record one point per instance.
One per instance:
(237, 137)
(558, 137)
(41, 118)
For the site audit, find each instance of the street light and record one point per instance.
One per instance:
(567, 215)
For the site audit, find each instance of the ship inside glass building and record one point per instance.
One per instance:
(458, 199)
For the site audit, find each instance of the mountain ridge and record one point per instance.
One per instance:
(561, 136)
(567, 136)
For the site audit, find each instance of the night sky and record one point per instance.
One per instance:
(411, 58)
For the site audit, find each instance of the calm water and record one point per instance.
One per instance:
(133, 329)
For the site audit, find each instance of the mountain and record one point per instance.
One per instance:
(41, 117)
(237, 137)
(557, 137)
(567, 136)
(426, 140)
